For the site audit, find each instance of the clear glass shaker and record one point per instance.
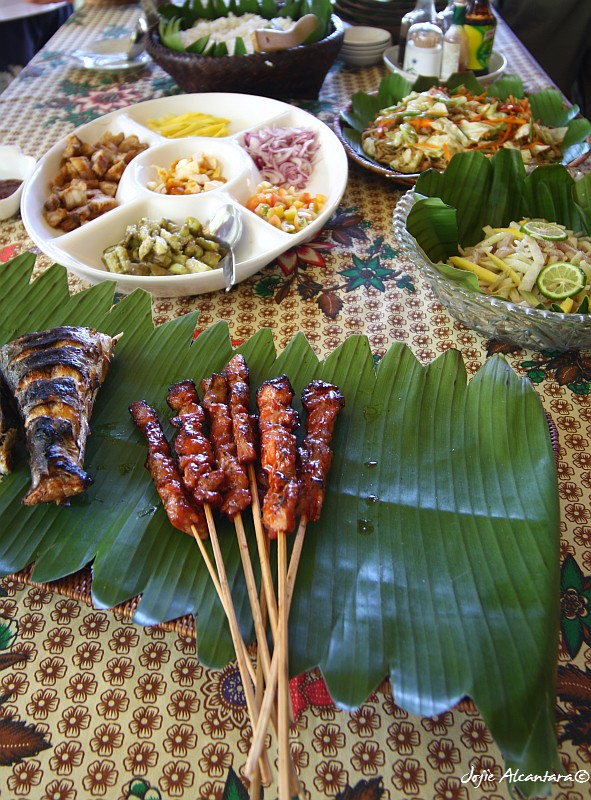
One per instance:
(424, 11)
(424, 49)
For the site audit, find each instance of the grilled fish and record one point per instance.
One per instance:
(54, 377)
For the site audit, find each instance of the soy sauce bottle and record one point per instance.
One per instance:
(480, 26)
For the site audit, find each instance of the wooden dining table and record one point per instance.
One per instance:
(92, 704)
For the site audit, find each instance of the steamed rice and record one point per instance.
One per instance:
(228, 29)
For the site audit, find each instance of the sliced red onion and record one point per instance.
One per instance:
(284, 156)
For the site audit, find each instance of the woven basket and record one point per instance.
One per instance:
(297, 73)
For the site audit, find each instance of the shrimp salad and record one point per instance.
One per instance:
(425, 129)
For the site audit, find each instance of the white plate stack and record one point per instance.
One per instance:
(364, 46)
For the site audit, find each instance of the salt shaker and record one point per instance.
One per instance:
(424, 49)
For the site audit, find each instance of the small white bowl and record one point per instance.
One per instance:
(363, 51)
(15, 165)
(364, 35)
(363, 60)
(497, 65)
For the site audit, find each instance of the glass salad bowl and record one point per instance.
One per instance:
(493, 317)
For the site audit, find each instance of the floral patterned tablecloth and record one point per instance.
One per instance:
(92, 705)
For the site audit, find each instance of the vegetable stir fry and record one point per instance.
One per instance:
(533, 263)
(426, 129)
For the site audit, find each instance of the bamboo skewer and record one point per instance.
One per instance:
(294, 560)
(259, 691)
(258, 676)
(262, 544)
(282, 645)
(239, 646)
(264, 665)
(266, 708)
(253, 596)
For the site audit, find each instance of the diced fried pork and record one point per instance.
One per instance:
(84, 169)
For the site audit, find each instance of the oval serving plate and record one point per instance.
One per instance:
(394, 87)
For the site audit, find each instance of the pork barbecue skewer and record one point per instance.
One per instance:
(245, 437)
(322, 402)
(201, 477)
(215, 402)
(196, 520)
(277, 424)
(183, 513)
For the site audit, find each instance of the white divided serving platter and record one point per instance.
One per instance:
(80, 250)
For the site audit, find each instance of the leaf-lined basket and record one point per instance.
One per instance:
(547, 106)
(436, 558)
(451, 208)
(175, 18)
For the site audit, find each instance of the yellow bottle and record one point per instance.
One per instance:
(480, 26)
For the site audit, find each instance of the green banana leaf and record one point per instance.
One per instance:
(547, 106)
(435, 561)
(453, 206)
(169, 34)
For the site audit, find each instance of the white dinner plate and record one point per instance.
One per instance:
(497, 65)
(80, 250)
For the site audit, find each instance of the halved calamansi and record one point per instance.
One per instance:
(551, 231)
(561, 280)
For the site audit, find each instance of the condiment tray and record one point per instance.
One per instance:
(80, 250)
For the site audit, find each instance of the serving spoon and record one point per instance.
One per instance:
(226, 227)
(267, 40)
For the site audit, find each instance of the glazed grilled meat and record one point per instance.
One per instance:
(215, 403)
(195, 456)
(180, 509)
(236, 374)
(54, 377)
(322, 402)
(277, 423)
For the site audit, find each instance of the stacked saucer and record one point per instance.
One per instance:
(364, 46)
